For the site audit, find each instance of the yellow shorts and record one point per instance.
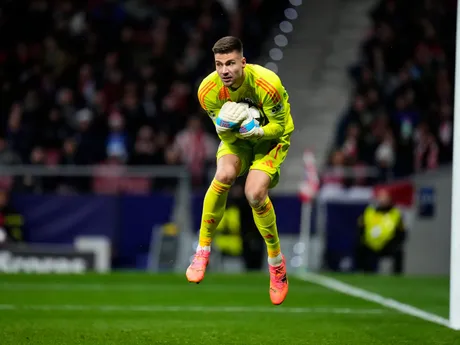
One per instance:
(264, 155)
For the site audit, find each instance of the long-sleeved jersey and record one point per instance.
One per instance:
(261, 88)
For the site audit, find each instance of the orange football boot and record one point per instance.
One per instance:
(196, 270)
(278, 283)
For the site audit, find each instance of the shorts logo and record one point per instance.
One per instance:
(209, 221)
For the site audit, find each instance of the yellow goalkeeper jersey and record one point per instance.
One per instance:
(261, 88)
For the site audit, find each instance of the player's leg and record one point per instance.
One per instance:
(263, 175)
(214, 204)
(256, 191)
(230, 164)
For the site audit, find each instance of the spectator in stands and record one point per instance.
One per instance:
(68, 157)
(334, 174)
(350, 147)
(35, 183)
(426, 149)
(7, 158)
(381, 233)
(7, 155)
(196, 149)
(405, 74)
(443, 124)
(146, 150)
(385, 155)
(66, 66)
(117, 138)
(55, 130)
(18, 133)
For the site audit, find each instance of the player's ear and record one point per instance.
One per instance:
(243, 61)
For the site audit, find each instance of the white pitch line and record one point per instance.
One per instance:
(337, 285)
(183, 308)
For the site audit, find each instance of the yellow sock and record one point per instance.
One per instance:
(214, 205)
(265, 219)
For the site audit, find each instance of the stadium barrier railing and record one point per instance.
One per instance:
(63, 214)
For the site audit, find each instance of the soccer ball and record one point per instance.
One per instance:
(227, 131)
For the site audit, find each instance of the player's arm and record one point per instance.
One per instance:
(273, 100)
(208, 96)
(274, 105)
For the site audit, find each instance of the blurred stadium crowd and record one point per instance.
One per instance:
(400, 117)
(113, 82)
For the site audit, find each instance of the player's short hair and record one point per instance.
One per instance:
(227, 45)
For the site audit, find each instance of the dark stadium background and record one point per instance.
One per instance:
(101, 134)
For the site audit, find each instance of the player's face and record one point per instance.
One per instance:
(230, 68)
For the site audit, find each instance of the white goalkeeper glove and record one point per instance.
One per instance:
(231, 116)
(250, 128)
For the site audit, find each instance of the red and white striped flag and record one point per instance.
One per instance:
(310, 184)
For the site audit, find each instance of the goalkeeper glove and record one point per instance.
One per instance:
(231, 116)
(250, 129)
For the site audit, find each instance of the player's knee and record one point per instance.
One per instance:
(226, 174)
(255, 195)
(256, 188)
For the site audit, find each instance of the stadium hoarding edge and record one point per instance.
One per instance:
(54, 259)
(36, 260)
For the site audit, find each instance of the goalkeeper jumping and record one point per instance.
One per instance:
(249, 107)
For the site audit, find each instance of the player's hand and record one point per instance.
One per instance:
(231, 116)
(250, 129)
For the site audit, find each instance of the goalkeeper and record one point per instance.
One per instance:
(249, 107)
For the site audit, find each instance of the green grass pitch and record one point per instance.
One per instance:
(132, 308)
